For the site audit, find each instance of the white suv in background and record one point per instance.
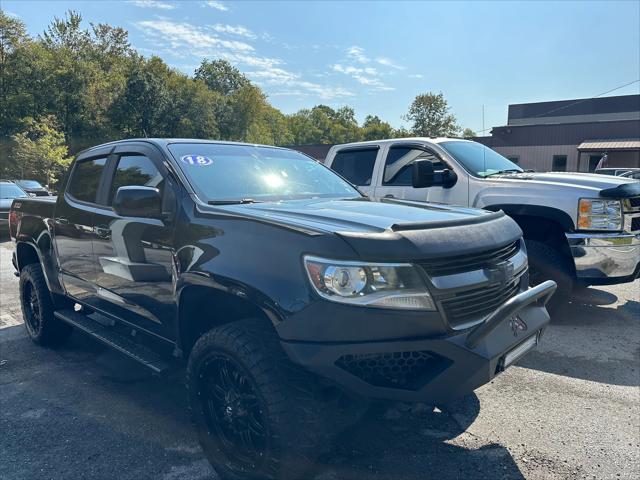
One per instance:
(580, 229)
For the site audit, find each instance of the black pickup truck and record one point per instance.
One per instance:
(289, 293)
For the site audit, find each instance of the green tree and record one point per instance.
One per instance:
(13, 35)
(220, 76)
(40, 152)
(468, 133)
(139, 110)
(430, 116)
(374, 128)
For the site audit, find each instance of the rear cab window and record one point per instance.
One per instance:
(356, 165)
(85, 179)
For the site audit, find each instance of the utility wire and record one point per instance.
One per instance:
(576, 102)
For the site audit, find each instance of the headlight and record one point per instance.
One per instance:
(365, 284)
(596, 214)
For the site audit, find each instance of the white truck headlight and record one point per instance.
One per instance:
(383, 285)
(599, 214)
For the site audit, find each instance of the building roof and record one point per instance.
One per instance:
(610, 144)
(622, 107)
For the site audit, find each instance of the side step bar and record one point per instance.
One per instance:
(115, 340)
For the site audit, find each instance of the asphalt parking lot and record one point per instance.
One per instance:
(569, 410)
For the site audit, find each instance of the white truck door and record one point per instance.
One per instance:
(358, 165)
(395, 178)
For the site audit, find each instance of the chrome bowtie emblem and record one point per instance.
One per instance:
(500, 272)
(517, 325)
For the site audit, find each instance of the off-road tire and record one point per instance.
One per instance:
(36, 300)
(288, 401)
(547, 263)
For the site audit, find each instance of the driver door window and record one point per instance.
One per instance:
(399, 162)
(135, 170)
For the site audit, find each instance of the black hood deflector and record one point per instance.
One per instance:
(424, 242)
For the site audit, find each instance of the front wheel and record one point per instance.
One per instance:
(255, 412)
(547, 263)
(38, 307)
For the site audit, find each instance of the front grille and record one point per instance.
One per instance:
(474, 304)
(635, 224)
(634, 202)
(403, 370)
(466, 263)
(4, 214)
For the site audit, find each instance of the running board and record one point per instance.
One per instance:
(115, 340)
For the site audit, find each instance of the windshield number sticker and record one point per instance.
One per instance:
(196, 160)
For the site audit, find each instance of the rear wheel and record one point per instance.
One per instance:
(547, 263)
(37, 309)
(256, 413)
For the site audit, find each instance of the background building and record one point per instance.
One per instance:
(571, 135)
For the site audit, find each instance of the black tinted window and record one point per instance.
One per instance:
(86, 178)
(136, 170)
(397, 168)
(356, 165)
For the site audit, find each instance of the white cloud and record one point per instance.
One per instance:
(388, 63)
(217, 5)
(415, 75)
(184, 40)
(179, 35)
(357, 53)
(153, 4)
(367, 76)
(234, 30)
(12, 15)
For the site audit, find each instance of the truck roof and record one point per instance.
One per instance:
(163, 142)
(401, 140)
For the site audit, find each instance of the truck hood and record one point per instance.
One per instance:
(392, 230)
(360, 216)
(588, 181)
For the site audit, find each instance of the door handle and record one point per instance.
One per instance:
(389, 195)
(102, 232)
(62, 221)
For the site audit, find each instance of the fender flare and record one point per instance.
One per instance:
(554, 214)
(238, 293)
(48, 269)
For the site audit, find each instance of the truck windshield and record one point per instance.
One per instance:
(9, 190)
(479, 160)
(245, 173)
(28, 184)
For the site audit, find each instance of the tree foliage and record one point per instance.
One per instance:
(40, 151)
(429, 114)
(78, 86)
(468, 133)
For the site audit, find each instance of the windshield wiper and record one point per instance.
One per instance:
(500, 172)
(239, 201)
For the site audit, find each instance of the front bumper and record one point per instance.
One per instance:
(605, 257)
(436, 369)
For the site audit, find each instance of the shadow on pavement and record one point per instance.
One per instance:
(416, 445)
(589, 339)
(92, 411)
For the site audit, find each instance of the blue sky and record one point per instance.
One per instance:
(376, 56)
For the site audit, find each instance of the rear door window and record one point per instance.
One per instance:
(356, 165)
(397, 167)
(85, 180)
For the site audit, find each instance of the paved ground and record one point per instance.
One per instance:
(569, 410)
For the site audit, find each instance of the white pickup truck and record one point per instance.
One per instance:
(580, 229)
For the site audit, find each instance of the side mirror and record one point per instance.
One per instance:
(449, 178)
(422, 174)
(136, 201)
